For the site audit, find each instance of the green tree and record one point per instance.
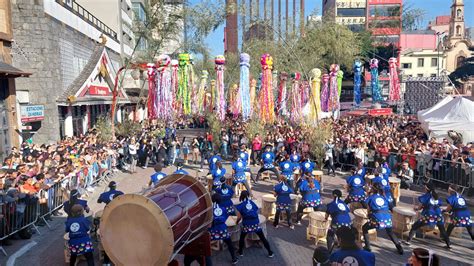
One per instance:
(412, 18)
(465, 71)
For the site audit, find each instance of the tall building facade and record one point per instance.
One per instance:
(456, 44)
(384, 20)
(352, 13)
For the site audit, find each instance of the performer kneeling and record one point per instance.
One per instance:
(310, 188)
(379, 217)
(282, 192)
(248, 213)
(430, 214)
(460, 214)
(218, 229)
(80, 242)
(339, 213)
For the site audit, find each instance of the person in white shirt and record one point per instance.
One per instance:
(132, 149)
(329, 158)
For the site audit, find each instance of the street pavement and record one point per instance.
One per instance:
(290, 246)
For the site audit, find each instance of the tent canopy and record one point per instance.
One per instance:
(449, 114)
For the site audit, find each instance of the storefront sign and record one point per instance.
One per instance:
(350, 4)
(381, 111)
(32, 113)
(98, 90)
(350, 20)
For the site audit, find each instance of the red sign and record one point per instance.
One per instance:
(381, 111)
(99, 91)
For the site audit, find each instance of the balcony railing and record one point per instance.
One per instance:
(81, 12)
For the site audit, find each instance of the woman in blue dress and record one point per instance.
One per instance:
(218, 228)
(355, 187)
(380, 217)
(226, 193)
(248, 213)
(340, 217)
(282, 192)
(430, 214)
(460, 214)
(80, 243)
(287, 167)
(310, 189)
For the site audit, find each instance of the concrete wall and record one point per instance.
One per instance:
(54, 53)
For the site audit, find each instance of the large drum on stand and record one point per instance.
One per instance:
(151, 229)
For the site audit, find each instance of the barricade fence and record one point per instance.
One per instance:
(423, 166)
(20, 211)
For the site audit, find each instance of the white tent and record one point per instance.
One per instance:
(456, 114)
(429, 111)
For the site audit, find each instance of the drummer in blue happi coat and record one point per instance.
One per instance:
(295, 158)
(244, 156)
(340, 217)
(238, 173)
(180, 170)
(212, 162)
(218, 173)
(287, 168)
(379, 216)
(157, 176)
(282, 192)
(310, 188)
(79, 243)
(218, 229)
(355, 187)
(382, 180)
(108, 196)
(430, 213)
(226, 192)
(460, 214)
(268, 160)
(248, 213)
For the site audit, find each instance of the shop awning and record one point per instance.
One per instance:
(9, 71)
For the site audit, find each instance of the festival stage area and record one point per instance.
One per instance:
(290, 246)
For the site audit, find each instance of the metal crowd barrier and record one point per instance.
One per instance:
(25, 212)
(438, 170)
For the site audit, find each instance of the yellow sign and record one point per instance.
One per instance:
(350, 20)
(350, 4)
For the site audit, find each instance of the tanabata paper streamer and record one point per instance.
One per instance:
(374, 73)
(174, 85)
(164, 93)
(315, 101)
(325, 93)
(267, 112)
(357, 82)
(340, 75)
(151, 104)
(202, 91)
(333, 102)
(234, 101)
(296, 107)
(282, 95)
(275, 86)
(253, 95)
(394, 84)
(210, 105)
(193, 91)
(245, 86)
(184, 93)
(221, 103)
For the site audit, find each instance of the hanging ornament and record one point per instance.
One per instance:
(340, 75)
(295, 97)
(267, 112)
(220, 104)
(234, 101)
(325, 93)
(315, 101)
(184, 94)
(357, 82)
(201, 94)
(394, 85)
(333, 101)
(164, 92)
(245, 86)
(282, 95)
(374, 73)
(151, 91)
(175, 85)
(193, 91)
(253, 95)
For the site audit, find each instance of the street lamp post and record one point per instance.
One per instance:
(438, 34)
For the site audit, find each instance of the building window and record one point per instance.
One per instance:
(458, 30)
(459, 13)
(139, 12)
(433, 75)
(434, 62)
(421, 62)
(351, 12)
(406, 65)
(384, 10)
(386, 39)
(420, 75)
(384, 24)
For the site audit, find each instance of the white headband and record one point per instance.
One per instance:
(430, 256)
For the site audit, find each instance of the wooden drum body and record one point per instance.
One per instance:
(395, 188)
(318, 226)
(268, 206)
(318, 175)
(295, 201)
(360, 218)
(403, 219)
(233, 228)
(151, 229)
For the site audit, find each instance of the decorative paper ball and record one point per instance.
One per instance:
(296, 76)
(266, 61)
(163, 60)
(315, 73)
(325, 77)
(334, 68)
(219, 60)
(174, 62)
(283, 76)
(204, 74)
(245, 59)
(374, 62)
(150, 68)
(183, 59)
(340, 73)
(191, 59)
(357, 64)
(392, 60)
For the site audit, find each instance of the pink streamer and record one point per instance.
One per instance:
(394, 85)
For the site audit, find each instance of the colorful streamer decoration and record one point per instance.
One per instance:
(340, 75)
(175, 85)
(267, 112)
(282, 95)
(374, 73)
(201, 94)
(220, 104)
(193, 91)
(151, 91)
(164, 93)
(325, 93)
(184, 94)
(245, 86)
(234, 101)
(295, 97)
(394, 85)
(253, 95)
(333, 102)
(357, 82)
(315, 101)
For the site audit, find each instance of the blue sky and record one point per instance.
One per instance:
(433, 8)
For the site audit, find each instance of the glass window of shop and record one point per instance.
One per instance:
(387, 39)
(384, 10)
(384, 24)
(351, 12)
